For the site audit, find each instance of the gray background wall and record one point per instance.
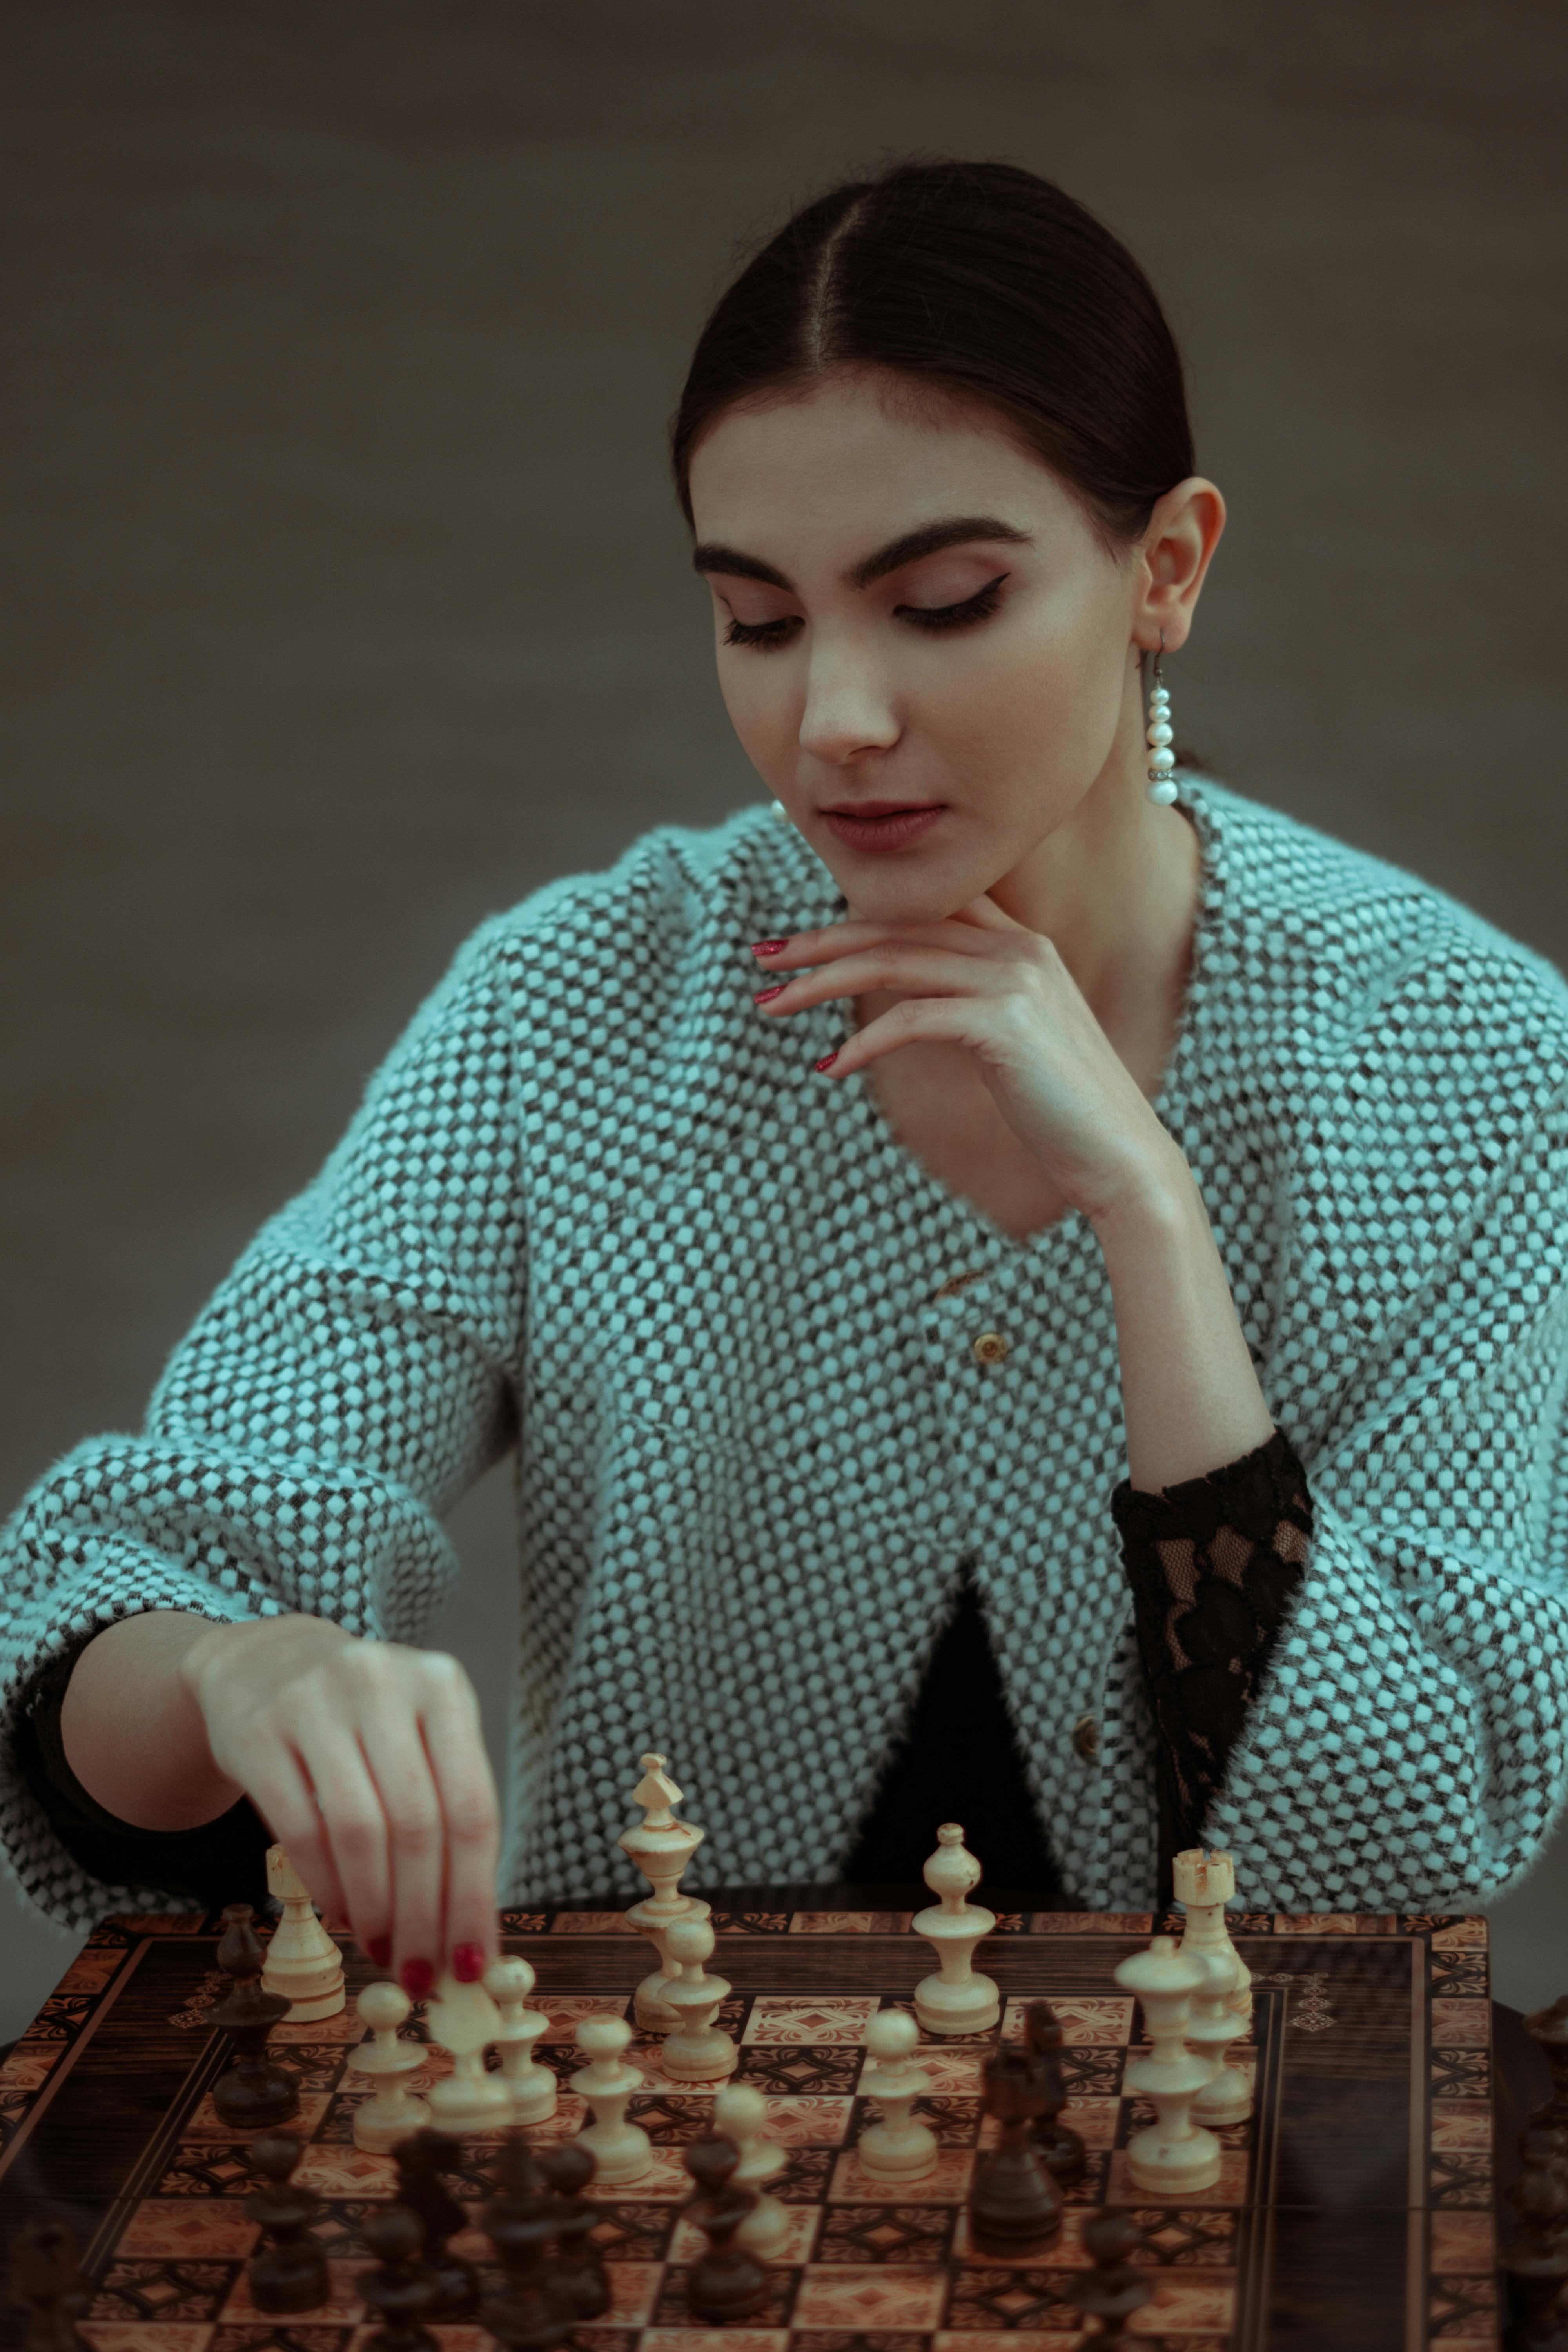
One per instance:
(347, 600)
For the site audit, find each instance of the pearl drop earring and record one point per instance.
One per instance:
(1162, 759)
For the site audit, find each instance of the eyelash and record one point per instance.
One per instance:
(767, 636)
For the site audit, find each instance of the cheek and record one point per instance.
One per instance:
(763, 710)
(1047, 698)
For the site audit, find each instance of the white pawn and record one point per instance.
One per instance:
(739, 2112)
(622, 2150)
(304, 1963)
(463, 2020)
(1174, 2157)
(958, 1998)
(393, 2112)
(1205, 1884)
(532, 2086)
(698, 2051)
(896, 2149)
(1213, 2025)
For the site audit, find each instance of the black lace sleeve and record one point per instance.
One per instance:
(219, 1861)
(1215, 1564)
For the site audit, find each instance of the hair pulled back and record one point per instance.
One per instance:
(975, 279)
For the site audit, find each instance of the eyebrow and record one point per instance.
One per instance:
(929, 539)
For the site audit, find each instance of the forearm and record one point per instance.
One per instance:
(1190, 1397)
(132, 1731)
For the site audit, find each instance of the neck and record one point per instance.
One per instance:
(1114, 887)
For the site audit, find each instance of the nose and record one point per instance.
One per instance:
(849, 711)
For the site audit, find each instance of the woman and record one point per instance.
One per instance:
(1019, 1287)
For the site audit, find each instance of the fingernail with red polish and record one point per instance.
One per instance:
(417, 1978)
(828, 1059)
(467, 1963)
(378, 1951)
(766, 995)
(770, 947)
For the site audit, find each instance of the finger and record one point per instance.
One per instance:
(894, 963)
(984, 914)
(852, 938)
(281, 1790)
(394, 1753)
(356, 1828)
(918, 1020)
(465, 1785)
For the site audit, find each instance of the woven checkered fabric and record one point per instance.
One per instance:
(595, 1207)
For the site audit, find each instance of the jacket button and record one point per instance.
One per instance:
(1086, 1736)
(989, 1347)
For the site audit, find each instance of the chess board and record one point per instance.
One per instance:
(1354, 2210)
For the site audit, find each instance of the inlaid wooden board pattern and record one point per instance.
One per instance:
(1354, 2210)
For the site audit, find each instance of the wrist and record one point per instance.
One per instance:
(1157, 1201)
(216, 1644)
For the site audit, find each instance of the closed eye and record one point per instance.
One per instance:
(767, 636)
(978, 607)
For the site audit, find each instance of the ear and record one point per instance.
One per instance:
(1173, 560)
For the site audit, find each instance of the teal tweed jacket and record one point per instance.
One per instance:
(592, 1209)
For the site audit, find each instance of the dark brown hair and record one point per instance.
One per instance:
(976, 278)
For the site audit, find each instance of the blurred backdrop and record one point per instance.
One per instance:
(347, 599)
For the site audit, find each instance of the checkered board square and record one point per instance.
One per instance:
(1360, 2191)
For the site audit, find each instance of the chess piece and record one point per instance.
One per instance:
(1213, 2026)
(463, 2020)
(421, 2160)
(740, 2114)
(579, 2273)
(1115, 2288)
(304, 1963)
(532, 2087)
(896, 2148)
(696, 2050)
(46, 2280)
(1174, 2157)
(522, 2191)
(532, 2314)
(958, 1998)
(1205, 1884)
(402, 2287)
(1056, 2142)
(1549, 2029)
(661, 1846)
(726, 2281)
(393, 2112)
(288, 2273)
(1536, 2262)
(1014, 2205)
(257, 2092)
(621, 2151)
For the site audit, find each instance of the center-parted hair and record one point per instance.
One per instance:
(972, 279)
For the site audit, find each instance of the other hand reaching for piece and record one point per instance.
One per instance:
(366, 1758)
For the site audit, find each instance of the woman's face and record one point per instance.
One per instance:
(926, 652)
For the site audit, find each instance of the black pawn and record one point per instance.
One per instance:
(532, 2315)
(257, 2092)
(46, 2280)
(1115, 2288)
(1549, 2028)
(421, 2159)
(400, 2289)
(1060, 2145)
(1014, 2205)
(522, 2187)
(725, 2281)
(290, 2272)
(579, 2271)
(1536, 2263)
